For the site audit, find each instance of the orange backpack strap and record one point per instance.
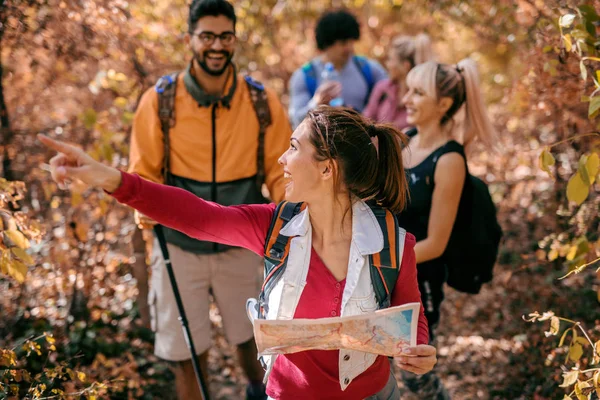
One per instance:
(385, 265)
(258, 95)
(277, 248)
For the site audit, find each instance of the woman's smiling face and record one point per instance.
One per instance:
(303, 173)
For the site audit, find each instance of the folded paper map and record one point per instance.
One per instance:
(385, 332)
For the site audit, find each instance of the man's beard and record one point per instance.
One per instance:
(201, 61)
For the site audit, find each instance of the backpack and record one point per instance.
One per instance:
(384, 266)
(472, 250)
(166, 88)
(310, 75)
(475, 239)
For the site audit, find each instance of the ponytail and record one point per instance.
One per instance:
(392, 186)
(369, 156)
(459, 82)
(477, 122)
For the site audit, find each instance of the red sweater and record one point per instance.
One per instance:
(307, 374)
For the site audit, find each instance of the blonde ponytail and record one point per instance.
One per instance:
(477, 123)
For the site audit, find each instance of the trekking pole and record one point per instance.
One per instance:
(182, 318)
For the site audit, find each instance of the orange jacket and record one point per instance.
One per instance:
(191, 139)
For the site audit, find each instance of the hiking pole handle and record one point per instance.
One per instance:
(162, 242)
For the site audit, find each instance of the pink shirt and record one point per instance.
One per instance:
(384, 105)
(308, 374)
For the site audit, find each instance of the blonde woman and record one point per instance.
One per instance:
(435, 163)
(385, 103)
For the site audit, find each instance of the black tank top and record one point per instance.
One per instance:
(415, 217)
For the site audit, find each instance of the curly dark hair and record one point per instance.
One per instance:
(213, 8)
(336, 25)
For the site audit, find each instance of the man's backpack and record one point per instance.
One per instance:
(384, 266)
(166, 88)
(475, 239)
(311, 79)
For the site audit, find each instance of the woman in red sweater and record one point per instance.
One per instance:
(335, 161)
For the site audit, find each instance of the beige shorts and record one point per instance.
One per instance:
(233, 276)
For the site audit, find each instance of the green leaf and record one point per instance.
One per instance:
(566, 20)
(594, 107)
(546, 160)
(569, 378)
(577, 190)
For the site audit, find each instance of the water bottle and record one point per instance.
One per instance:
(330, 74)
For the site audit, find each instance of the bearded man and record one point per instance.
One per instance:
(218, 135)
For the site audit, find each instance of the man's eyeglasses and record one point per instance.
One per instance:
(208, 38)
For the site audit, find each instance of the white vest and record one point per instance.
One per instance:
(358, 297)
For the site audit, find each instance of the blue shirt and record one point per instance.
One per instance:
(354, 87)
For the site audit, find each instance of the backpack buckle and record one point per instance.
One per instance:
(277, 254)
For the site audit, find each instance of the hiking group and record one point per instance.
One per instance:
(349, 213)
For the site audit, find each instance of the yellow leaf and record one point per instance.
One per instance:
(564, 335)
(120, 102)
(546, 161)
(22, 254)
(593, 166)
(76, 199)
(17, 238)
(569, 378)
(554, 327)
(4, 263)
(577, 190)
(580, 391)
(81, 376)
(594, 107)
(575, 352)
(552, 255)
(583, 70)
(568, 43)
(17, 270)
(583, 171)
(572, 253)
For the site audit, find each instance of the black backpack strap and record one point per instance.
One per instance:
(411, 132)
(385, 265)
(166, 88)
(258, 95)
(277, 247)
